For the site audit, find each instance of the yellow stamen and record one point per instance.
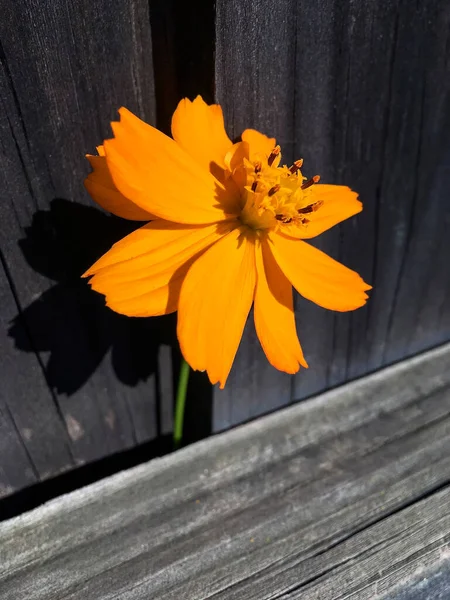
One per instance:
(311, 182)
(310, 208)
(298, 164)
(272, 156)
(273, 190)
(276, 195)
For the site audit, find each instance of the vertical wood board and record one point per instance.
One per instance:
(361, 91)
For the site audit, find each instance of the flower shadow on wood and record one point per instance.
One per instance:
(69, 321)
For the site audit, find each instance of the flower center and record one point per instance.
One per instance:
(276, 196)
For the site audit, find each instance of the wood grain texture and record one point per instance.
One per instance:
(346, 495)
(361, 91)
(36, 443)
(82, 381)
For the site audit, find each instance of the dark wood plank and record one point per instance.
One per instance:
(66, 69)
(362, 93)
(16, 468)
(255, 85)
(341, 496)
(36, 444)
(252, 388)
(298, 72)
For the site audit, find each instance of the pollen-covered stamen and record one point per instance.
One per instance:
(283, 219)
(311, 182)
(272, 156)
(298, 164)
(277, 197)
(273, 190)
(258, 169)
(310, 208)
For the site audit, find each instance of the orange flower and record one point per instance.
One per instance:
(227, 229)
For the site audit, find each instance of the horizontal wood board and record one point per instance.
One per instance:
(346, 495)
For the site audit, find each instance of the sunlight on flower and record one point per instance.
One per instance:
(226, 230)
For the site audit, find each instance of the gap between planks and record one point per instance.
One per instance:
(342, 496)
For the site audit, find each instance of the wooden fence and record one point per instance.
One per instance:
(360, 90)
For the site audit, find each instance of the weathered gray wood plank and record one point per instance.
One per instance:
(424, 584)
(33, 439)
(255, 81)
(66, 67)
(361, 91)
(342, 496)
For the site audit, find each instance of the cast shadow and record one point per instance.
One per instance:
(70, 321)
(72, 330)
(70, 324)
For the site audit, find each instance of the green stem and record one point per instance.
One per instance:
(180, 403)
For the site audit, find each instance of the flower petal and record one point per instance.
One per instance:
(274, 314)
(339, 203)
(318, 277)
(215, 300)
(142, 274)
(199, 129)
(101, 187)
(259, 143)
(235, 156)
(159, 176)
